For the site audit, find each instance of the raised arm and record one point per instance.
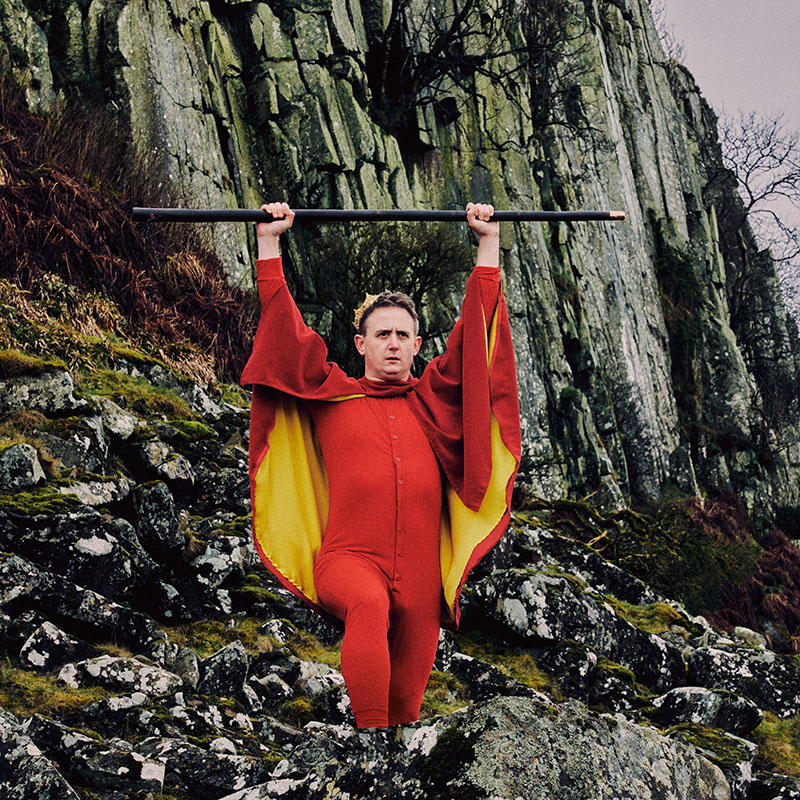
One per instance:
(287, 355)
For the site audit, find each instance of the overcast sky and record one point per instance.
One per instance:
(743, 54)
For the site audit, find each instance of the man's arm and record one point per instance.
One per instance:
(478, 215)
(268, 233)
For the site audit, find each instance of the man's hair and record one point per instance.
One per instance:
(389, 299)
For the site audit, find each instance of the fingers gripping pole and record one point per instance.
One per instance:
(364, 215)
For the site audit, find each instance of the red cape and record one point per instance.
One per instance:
(466, 402)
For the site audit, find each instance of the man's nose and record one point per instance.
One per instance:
(394, 342)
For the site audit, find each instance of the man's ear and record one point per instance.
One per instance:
(359, 340)
(417, 343)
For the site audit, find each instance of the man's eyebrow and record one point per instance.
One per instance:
(389, 330)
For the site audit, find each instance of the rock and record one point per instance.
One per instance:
(79, 443)
(48, 647)
(770, 680)
(84, 546)
(271, 689)
(125, 675)
(115, 764)
(157, 519)
(313, 679)
(99, 492)
(223, 674)
(204, 773)
(544, 609)
(573, 664)
(483, 681)
(509, 747)
(19, 466)
(223, 558)
(612, 688)
(159, 461)
(116, 420)
(749, 636)
(579, 560)
(187, 667)
(714, 708)
(732, 754)
(227, 488)
(23, 584)
(52, 393)
(25, 773)
(280, 630)
(766, 786)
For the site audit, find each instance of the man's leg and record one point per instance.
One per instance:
(358, 594)
(413, 640)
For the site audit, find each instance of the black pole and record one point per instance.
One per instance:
(363, 215)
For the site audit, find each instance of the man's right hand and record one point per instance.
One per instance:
(268, 232)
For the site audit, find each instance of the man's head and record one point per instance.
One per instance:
(387, 337)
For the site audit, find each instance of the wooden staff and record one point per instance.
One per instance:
(364, 215)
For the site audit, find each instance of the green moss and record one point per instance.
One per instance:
(778, 743)
(25, 693)
(653, 618)
(208, 636)
(234, 395)
(443, 695)
(14, 364)
(244, 597)
(299, 711)
(309, 648)
(722, 749)
(608, 667)
(516, 663)
(135, 393)
(43, 500)
(192, 429)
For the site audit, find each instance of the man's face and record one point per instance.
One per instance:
(388, 345)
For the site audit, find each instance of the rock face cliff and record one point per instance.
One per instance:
(651, 353)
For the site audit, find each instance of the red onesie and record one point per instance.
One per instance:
(375, 548)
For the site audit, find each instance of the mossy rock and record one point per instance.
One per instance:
(723, 748)
(43, 500)
(16, 364)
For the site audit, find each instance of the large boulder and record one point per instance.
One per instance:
(85, 546)
(115, 764)
(509, 747)
(546, 609)
(712, 707)
(223, 674)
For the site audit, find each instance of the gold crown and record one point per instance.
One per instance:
(359, 312)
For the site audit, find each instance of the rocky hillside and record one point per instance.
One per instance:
(605, 652)
(147, 653)
(652, 354)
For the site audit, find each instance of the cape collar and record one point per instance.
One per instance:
(381, 389)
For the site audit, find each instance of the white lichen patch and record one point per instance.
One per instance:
(94, 546)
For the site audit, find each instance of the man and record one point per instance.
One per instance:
(374, 497)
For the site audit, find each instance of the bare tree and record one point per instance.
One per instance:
(433, 53)
(765, 158)
(673, 46)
